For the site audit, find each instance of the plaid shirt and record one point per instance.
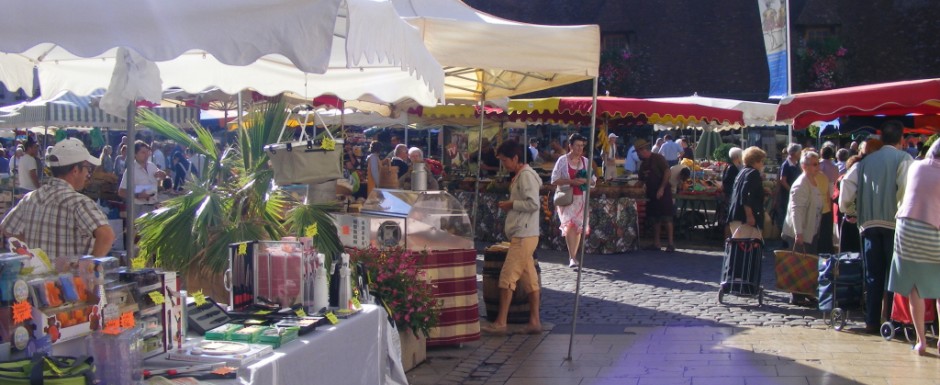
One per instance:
(56, 219)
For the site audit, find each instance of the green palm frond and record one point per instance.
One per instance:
(232, 201)
(302, 217)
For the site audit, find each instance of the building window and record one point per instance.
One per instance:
(819, 34)
(618, 41)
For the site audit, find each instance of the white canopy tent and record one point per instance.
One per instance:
(367, 46)
(486, 57)
(70, 110)
(350, 48)
(755, 113)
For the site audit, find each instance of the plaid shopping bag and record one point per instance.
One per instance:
(796, 272)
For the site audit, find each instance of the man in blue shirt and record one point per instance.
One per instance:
(671, 151)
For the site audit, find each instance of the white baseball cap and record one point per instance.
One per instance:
(612, 135)
(70, 151)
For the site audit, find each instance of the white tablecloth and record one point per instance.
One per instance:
(358, 350)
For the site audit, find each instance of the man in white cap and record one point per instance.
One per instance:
(610, 157)
(56, 217)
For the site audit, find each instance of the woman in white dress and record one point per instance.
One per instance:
(571, 169)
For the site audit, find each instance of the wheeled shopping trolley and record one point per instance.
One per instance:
(841, 282)
(901, 320)
(741, 269)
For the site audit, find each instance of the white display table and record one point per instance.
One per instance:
(358, 350)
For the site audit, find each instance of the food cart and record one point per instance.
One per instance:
(434, 222)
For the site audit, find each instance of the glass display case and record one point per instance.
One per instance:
(416, 220)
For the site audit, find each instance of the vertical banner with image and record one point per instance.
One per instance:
(774, 26)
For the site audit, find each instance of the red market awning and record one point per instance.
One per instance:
(577, 110)
(897, 98)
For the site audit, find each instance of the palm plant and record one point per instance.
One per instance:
(232, 200)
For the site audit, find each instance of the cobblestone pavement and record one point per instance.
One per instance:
(645, 289)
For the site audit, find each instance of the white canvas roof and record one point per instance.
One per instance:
(346, 47)
(70, 110)
(484, 53)
(755, 113)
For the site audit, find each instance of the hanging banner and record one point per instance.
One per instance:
(774, 25)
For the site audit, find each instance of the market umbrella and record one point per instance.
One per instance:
(707, 143)
(896, 98)
(486, 57)
(349, 48)
(278, 46)
(577, 110)
(754, 113)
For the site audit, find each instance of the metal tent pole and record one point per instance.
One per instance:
(587, 210)
(131, 186)
(476, 185)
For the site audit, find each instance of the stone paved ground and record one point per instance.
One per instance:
(658, 288)
(644, 289)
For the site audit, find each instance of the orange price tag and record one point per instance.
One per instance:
(112, 327)
(127, 320)
(22, 311)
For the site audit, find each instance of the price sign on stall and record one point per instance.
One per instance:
(156, 297)
(332, 318)
(199, 298)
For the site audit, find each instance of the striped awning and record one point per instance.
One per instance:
(70, 110)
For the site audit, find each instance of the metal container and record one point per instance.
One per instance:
(416, 220)
(419, 176)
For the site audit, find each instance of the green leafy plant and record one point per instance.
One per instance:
(398, 282)
(721, 152)
(232, 200)
(927, 144)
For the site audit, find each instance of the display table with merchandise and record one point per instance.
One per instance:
(357, 350)
(698, 211)
(613, 222)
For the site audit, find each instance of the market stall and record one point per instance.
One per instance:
(350, 48)
(896, 98)
(618, 202)
(613, 217)
(433, 222)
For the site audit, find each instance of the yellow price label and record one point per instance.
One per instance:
(243, 249)
(263, 312)
(328, 144)
(300, 312)
(199, 298)
(356, 304)
(332, 318)
(311, 231)
(157, 297)
(138, 263)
